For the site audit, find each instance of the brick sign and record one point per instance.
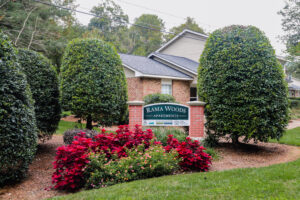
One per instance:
(166, 114)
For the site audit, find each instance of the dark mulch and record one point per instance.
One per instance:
(232, 156)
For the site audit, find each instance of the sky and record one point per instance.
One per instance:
(209, 14)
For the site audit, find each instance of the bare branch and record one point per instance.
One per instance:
(33, 32)
(24, 24)
(4, 3)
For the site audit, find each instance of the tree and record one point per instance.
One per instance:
(291, 25)
(40, 27)
(146, 40)
(111, 25)
(18, 133)
(43, 83)
(93, 82)
(189, 24)
(243, 85)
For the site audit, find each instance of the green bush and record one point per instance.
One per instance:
(43, 82)
(243, 85)
(294, 103)
(158, 98)
(141, 163)
(93, 82)
(161, 134)
(18, 133)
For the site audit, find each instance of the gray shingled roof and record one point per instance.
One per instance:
(181, 61)
(149, 66)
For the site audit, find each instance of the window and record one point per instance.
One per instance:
(166, 86)
(193, 94)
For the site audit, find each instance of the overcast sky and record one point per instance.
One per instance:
(209, 14)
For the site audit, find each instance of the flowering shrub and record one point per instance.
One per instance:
(192, 154)
(72, 159)
(140, 163)
(109, 158)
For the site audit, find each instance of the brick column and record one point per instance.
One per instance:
(135, 113)
(196, 130)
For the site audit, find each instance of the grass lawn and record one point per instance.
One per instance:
(275, 182)
(64, 125)
(290, 137)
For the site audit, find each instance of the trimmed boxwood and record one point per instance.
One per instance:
(158, 98)
(243, 85)
(44, 86)
(18, 133)
(93, 82)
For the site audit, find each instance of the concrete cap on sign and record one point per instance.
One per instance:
(135, 103)
(196, 103)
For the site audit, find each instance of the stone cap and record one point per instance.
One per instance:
(135, 103)
(196, 103)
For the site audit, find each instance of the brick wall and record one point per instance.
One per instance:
(151, 86)
(196, 129)
(135, 89)
(140, 87)
(181, 91)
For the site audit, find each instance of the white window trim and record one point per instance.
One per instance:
(167, 82)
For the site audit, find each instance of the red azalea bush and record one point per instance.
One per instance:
(71, 160)
(192, 154)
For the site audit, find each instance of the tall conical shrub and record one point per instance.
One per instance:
(18, 133)
(243, 85)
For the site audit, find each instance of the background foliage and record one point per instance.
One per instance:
(93, 82)
(243, 85)
(18, 133)
(43, 83)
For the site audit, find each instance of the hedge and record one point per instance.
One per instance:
(44, 86)
(18, 133)
(93, 82)
(243, 85)
(158, 98)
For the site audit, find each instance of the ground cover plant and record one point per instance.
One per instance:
(93, 82)
(43, 82)
(18, 132)
(72, 160)
(243, 85)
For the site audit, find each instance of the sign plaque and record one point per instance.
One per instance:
(166, 114)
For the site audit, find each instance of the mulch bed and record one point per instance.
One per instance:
(242, 156)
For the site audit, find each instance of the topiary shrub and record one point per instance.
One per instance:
(71, 133)
(158, 98)
(18, 133)
(43, 82)
(243, 85)
(93, 82)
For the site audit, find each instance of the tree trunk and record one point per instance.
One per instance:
(235, 140)
(89, 121)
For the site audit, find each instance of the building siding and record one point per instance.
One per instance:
(186, 47)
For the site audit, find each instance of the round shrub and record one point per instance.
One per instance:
(158, 98)
(43, 82)
(93, 82)
(243, 85)
(71, 133)
(18, 133)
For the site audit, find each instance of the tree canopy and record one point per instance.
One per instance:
(243, 84)
(146, 40)
(190, 24)
(40, 27)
